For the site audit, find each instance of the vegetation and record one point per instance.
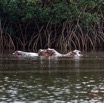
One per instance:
(62, 24)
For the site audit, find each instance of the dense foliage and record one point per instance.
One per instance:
(62, 24)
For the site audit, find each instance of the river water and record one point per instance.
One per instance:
(56, 80)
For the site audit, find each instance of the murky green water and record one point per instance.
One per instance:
(62, 80)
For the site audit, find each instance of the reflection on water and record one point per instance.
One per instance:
(61, 80)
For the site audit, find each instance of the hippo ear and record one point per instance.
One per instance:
(48, 48)
(14, 53)
(39, 53)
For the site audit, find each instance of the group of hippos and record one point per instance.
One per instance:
(48, 53)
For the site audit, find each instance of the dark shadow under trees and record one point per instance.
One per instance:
(64, 25)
